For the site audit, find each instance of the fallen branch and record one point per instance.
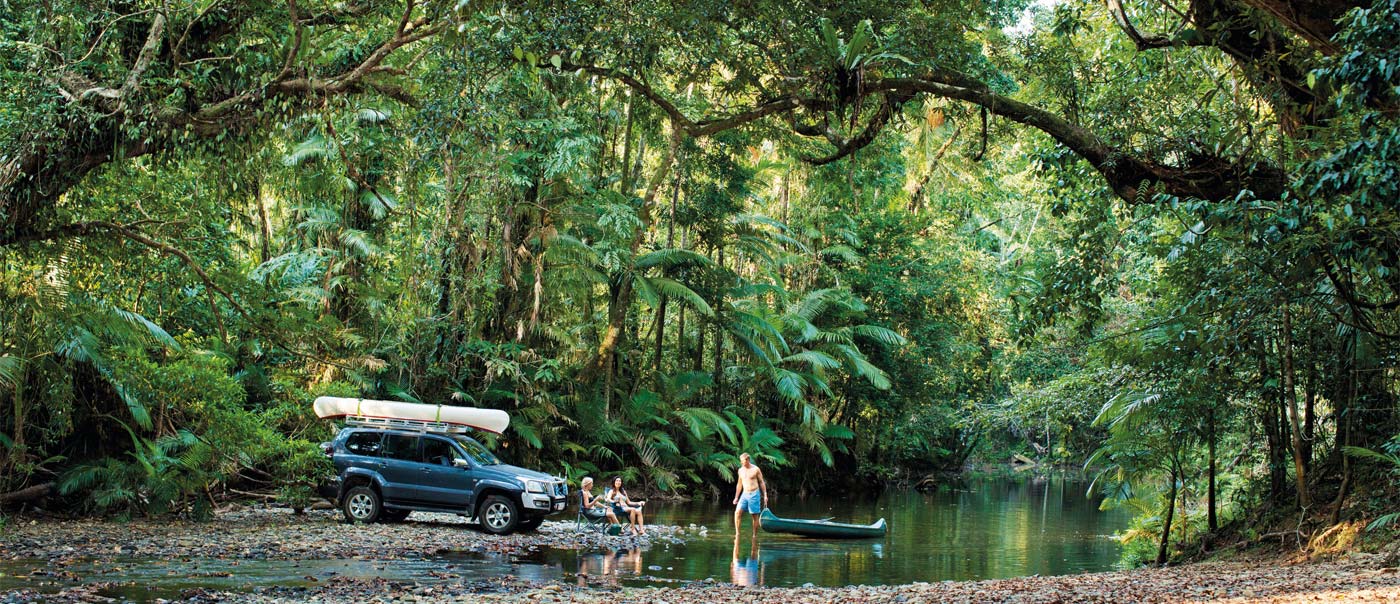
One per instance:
(38, 491)
(250, 494)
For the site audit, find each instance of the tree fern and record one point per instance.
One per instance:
(10, 370)
(671, 258)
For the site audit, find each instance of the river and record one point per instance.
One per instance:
(976, 528)
(979, 528)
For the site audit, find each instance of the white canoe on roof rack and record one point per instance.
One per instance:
(414, 416)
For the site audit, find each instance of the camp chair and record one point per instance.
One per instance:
(594, 523)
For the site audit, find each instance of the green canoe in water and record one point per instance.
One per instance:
(820, 528)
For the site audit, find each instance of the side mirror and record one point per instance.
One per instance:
(458, 462)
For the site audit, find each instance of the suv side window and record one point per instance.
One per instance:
(437, 451)
(401, 446)
(363, 443)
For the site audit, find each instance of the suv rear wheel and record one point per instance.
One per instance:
(498, 515)
(361, 504)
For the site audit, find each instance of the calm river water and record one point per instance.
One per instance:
(979, 528)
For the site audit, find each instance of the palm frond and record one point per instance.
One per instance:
(145, 326)
(883, 335)
(815, 359)
(670, 258)
(11, 368)
(313, 148)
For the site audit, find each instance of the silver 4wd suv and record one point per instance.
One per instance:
(387, 473)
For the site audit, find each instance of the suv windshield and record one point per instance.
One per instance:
(476, 451)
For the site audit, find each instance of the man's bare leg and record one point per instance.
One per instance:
(753, 523)
(738, 521)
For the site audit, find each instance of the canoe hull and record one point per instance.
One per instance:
(491, 420)
(771, 523)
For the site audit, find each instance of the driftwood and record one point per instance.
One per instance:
(37, 491)
(250, 494)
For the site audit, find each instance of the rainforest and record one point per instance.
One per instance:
(873, 244)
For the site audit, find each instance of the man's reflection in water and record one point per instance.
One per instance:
(747, 572)
(609, 565)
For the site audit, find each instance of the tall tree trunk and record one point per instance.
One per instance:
(680, 322)
(1310, 414)
(264, 223)
(17, 448)
(1167, 524)
(625, 179)
(1344, 394)
(1291, 399)
(661, 307)
(622, 297)
(1278, 478)
(1212, 522)
(719, 342)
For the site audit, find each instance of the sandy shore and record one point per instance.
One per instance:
(277, 535)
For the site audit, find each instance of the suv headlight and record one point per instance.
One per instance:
(535, 486)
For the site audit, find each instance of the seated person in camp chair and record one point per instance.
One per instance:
(623, 506)
(594, 508)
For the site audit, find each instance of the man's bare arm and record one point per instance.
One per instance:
(738, 485)
(763, 484)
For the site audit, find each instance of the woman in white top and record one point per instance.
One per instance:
(621, 504)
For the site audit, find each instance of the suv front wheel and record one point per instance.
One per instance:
(499, 515)
(362, 504)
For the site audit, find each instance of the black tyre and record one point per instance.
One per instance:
(530, 524)
(362, 504)
(394, 515)
(498, 515)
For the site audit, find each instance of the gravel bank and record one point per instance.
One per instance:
(1216, 583)
(279, 535)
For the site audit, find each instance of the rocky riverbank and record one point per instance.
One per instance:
(1214, 582)
(277, 534)
(90, 561)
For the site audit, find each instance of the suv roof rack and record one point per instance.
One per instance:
(405, 424)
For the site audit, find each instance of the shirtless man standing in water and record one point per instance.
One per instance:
(750, 495)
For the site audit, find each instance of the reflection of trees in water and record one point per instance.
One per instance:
(989, 527)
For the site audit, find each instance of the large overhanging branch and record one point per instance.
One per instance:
(1132, 178)
(889, 106)
(1120, 15)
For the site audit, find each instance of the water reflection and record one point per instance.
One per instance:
(609, 565)
(746, 571)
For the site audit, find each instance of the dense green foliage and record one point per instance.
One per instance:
(862, 241)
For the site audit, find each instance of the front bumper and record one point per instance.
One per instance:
(550, 502)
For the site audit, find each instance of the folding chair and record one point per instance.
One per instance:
(598, 522)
